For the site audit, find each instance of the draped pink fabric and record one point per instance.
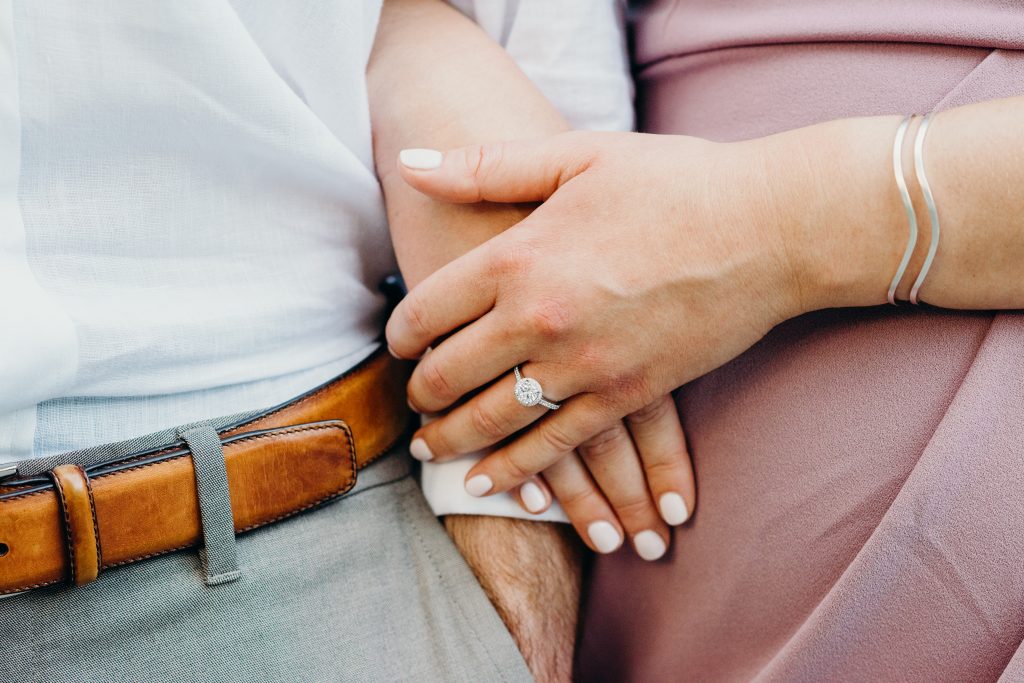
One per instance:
(860, 472)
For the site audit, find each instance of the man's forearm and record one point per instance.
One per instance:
(532, 573)
(436, 80)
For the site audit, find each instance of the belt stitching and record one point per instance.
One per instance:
(345, 489)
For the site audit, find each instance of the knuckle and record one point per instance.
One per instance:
(515, 258)
(439, 440)
(436, 383)
(608, 442)
(556, 437)
(483, 160)
(667, 467)
(631, 388)
(474, 159)
(635, 506)
(580, 497)
(414, 314)
(550, 319)
(486, 423)
(516, 470)
(653, 412)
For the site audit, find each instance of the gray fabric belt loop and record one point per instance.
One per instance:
(220, 554)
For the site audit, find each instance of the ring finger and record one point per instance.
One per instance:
(491, 416)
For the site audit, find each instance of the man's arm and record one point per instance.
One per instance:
(436, 79)
(531, 572)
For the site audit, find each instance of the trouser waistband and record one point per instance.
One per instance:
(199, 484)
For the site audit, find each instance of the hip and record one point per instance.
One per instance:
(366, 588)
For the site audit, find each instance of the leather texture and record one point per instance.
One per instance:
(81, 535)
(370, 398)
(283, 462)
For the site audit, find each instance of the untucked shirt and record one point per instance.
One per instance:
(190, 221)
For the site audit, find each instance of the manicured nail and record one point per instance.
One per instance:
(673, 509)
(420, 450)
(479, 485)
(420, 159)
(604, 537)
(412, 407)
(533, 498)
(393, 353)
(649, 545)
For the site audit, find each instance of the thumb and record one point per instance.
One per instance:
(520, 171)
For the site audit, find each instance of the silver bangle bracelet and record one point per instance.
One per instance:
(929, 200)
(911, 215)
(908, 206)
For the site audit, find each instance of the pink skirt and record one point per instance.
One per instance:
(860, 472)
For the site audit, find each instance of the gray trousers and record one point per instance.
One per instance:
(368, 588)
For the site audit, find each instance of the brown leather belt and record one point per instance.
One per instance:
(78, 521)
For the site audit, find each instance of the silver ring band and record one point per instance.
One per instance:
(529, 393)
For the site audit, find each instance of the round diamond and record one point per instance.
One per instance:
(528, 392)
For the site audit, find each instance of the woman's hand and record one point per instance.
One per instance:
(609, 298)
(655, 259)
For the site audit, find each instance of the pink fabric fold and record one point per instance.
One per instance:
(860, 472)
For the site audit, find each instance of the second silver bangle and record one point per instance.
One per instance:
(908, 206)
(929, 200)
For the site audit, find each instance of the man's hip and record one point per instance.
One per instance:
(73, 515)
(368, 587)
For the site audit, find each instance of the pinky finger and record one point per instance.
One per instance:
(584, 504)
(658, 435)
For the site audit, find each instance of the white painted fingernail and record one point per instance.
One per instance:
(673, 509)
(533, 498)
(649, 545)
(604, 537)
(420, 159)
(479, 485)
(420, 450)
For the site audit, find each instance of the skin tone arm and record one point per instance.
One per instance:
(512, 559)
(663, 257)
(423, 88)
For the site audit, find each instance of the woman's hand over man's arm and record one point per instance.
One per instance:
(436, 79)
(655, 259)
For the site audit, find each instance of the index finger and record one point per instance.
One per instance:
(455, 295)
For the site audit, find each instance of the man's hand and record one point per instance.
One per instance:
(635, 476)
(422, 86)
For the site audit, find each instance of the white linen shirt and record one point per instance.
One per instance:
(190, 221)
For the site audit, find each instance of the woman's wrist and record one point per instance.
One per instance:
(837, 209)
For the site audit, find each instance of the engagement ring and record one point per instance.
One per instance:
(529, 393)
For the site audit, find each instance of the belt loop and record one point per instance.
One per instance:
(219, 554)
(81, 533)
